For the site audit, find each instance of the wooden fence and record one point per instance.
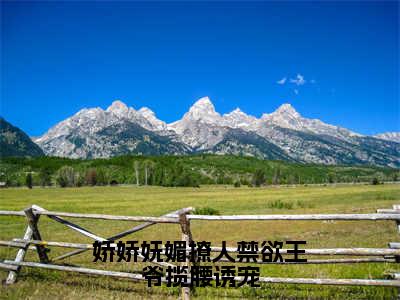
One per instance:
(32, 240)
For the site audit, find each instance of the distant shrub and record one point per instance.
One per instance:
(303, 204)
(206, 211)
(79, 179)
(65, 176)
(278, 204)
(244, 181)
(236, 184)
(185, 179)
(249, 292)
(375, 181)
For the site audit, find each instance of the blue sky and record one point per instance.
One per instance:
(58, 57)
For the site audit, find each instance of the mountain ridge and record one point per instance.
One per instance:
(389, 136)
(15, 142)
(202, 128)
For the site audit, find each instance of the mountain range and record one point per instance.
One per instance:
(283, 135)
(15, 142)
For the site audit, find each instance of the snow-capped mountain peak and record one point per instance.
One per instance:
(89, 112)
(236, 112)
(287, 110)
(238, 119)
(203, 110)
(204, 102)
(119, 108)
(94, 132)
(145, 116)
(117, 105)
(285, 116)
(145, 111)
(196, 128)
(150, 116)
(389, 136)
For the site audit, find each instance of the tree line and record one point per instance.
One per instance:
(175, 171)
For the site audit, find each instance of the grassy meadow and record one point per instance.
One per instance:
(155, 201)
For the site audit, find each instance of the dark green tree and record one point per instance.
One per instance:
(28, 180)
(375, 181)
(331, 178)
(45, 177)
(395, 177)
(277, 176)
(102, 178)
(258, 177)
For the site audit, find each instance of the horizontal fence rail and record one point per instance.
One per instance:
(33, 241)
(96, 216)
(318, 217)
(388, 211)
(323, 281)
(388, 255)
(18, 243)
(12, 213)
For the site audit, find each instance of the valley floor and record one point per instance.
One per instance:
(155, 201)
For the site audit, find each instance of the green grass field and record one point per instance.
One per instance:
(155, 201)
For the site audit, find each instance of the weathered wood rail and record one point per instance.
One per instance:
(32, 240)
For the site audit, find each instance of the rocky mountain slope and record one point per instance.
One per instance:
(97, 133)
(14, 142)
(283, 134)
(389, 136)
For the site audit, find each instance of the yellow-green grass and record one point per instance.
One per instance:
(155, 201)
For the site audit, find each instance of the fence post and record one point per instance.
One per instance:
(397, 258)
(397, 207)
(187, 237)
(32, 222)
(12, 275)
